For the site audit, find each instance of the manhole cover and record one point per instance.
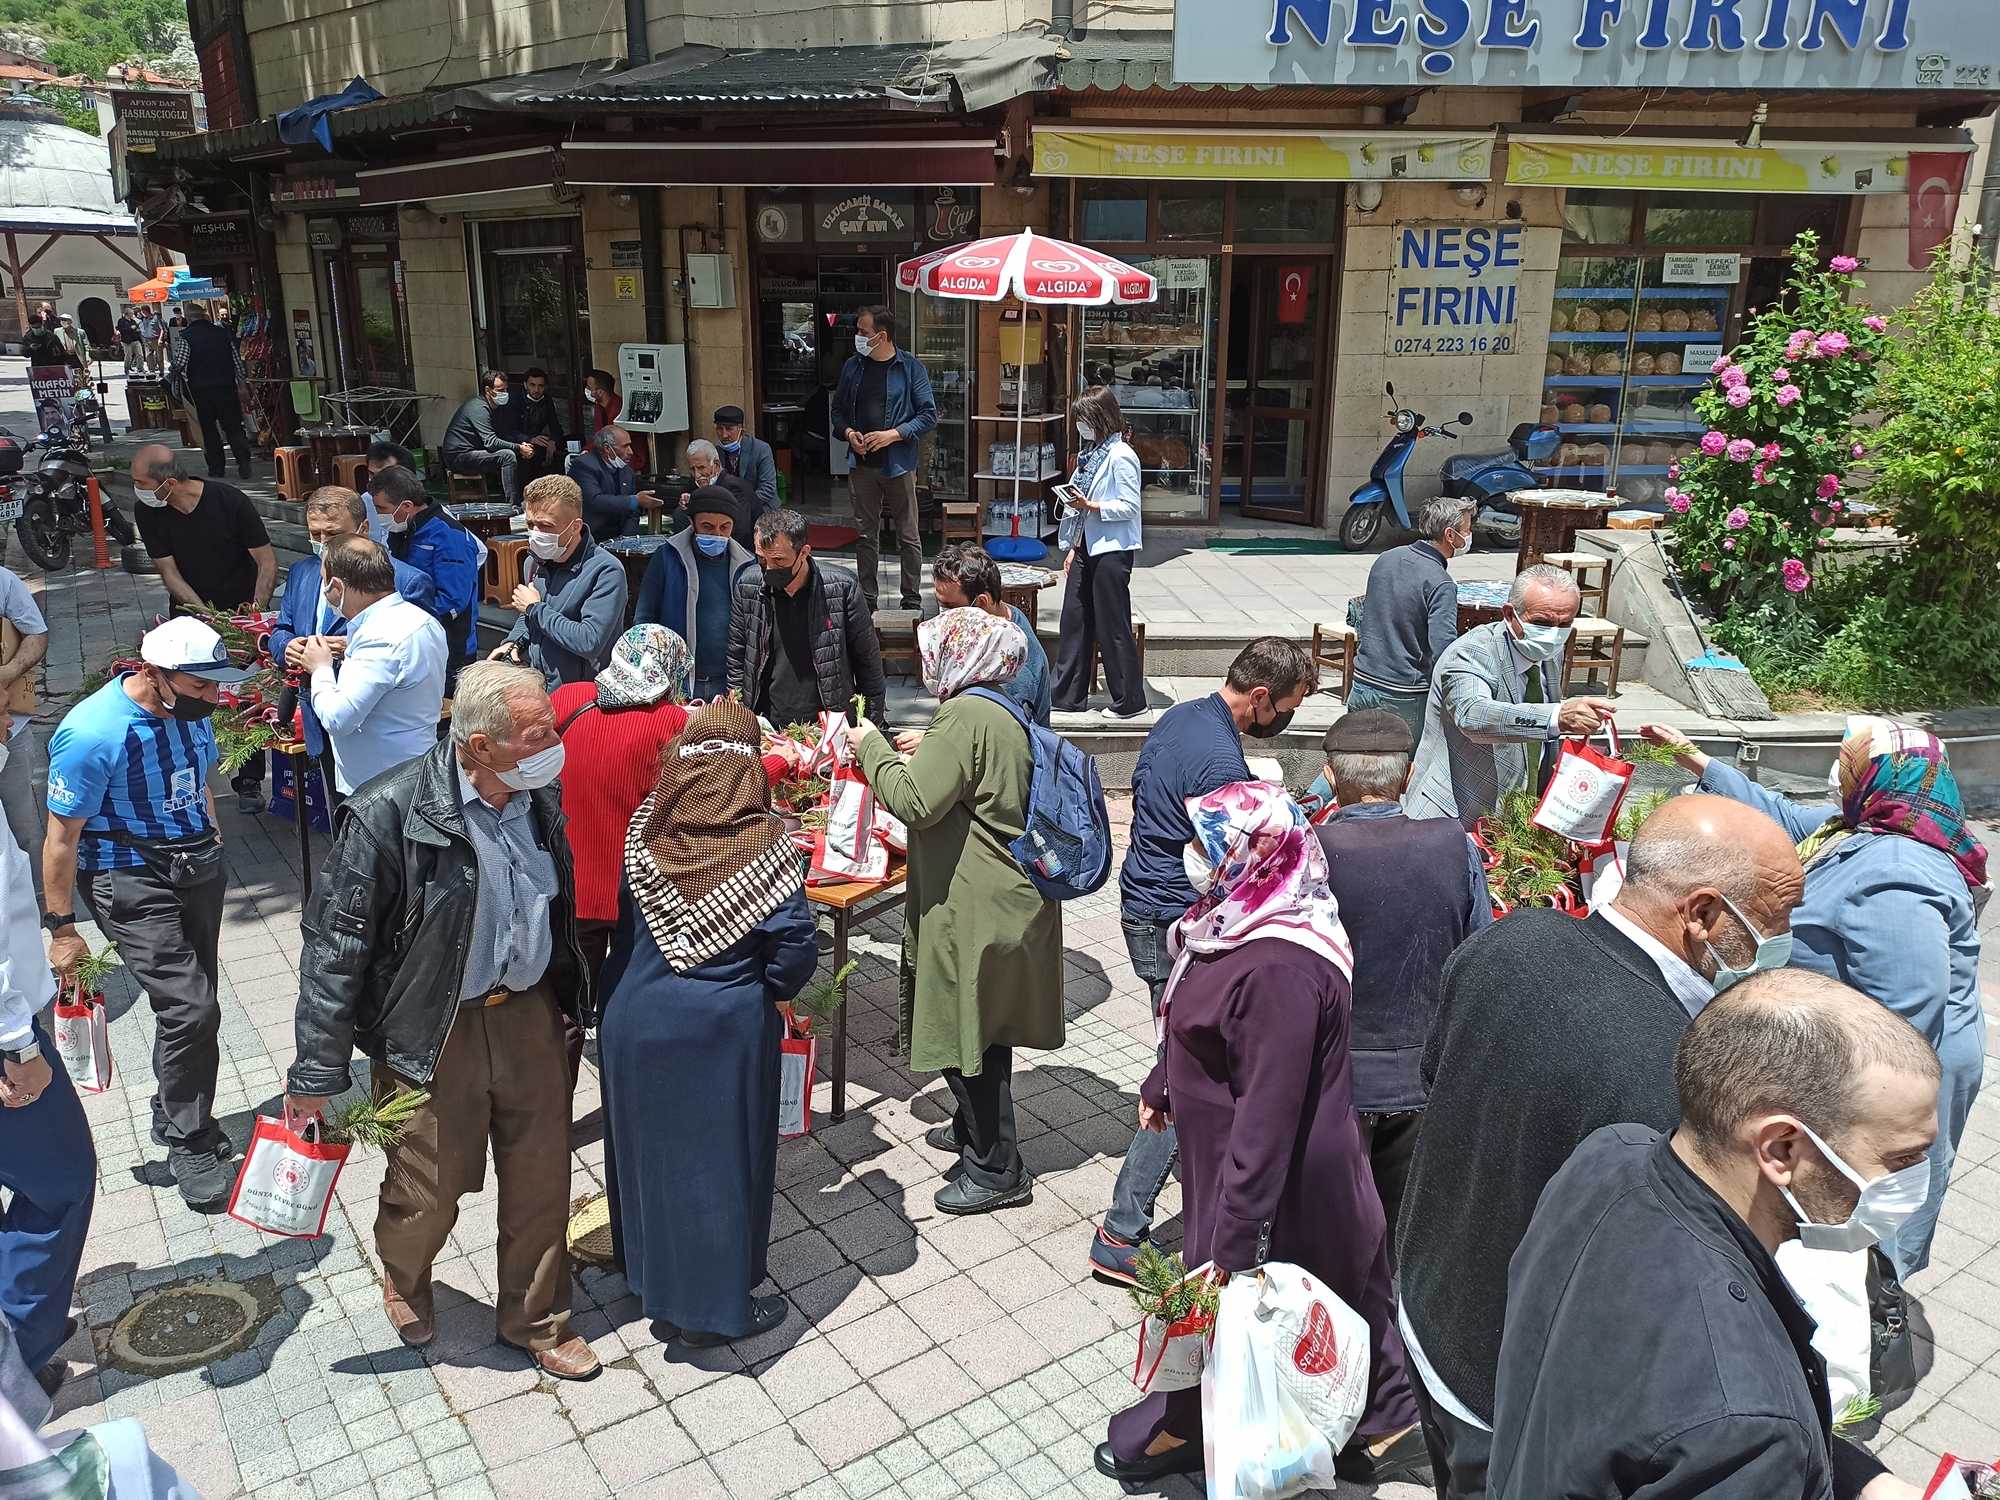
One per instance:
(180, 1327)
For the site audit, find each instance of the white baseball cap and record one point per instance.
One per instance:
(185, 644)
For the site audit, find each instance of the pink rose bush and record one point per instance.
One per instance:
(1844, 264)
(1787, 394)
(1829, 486)
(1797, 579)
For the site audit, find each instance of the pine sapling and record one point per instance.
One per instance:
(1165, 1290)
(823, 997)
(375, 1122)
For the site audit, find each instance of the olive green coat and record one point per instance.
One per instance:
(982, 950)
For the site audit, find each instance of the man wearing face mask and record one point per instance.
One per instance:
(747, 458)
(1804, 1113)
(132, 830)
(881, 406)
(383, 705)
(478, 438)
(689, 583)
(801, 640)
(705, 467)
(532, 416)
(441, 941)
(1550, 1028)
(430, 539)
(612, 499)
(1496, 707)
(1411, 617)
(1194, 748)
(573, 604)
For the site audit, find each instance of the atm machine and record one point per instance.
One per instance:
(652, 378)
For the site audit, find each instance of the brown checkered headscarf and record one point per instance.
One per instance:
(704, 856)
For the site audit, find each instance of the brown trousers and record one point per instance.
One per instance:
(502, 1076)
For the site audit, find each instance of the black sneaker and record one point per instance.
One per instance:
(942, 1137)
(243, 470)
(250, 800)
(766, 1313)
(1407, 1459)
(203, 1177)
(967, 1197)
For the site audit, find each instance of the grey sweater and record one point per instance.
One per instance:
(1410, 617)
(569, 635)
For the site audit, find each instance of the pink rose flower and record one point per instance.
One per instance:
(1787, 394)
(1722, 363)
(1879, 325)
(1708, 567)
(1729, 544)
(1780, 375)
(1797, 343)
(1858, 450)
(1845, 263)
(1673, 471)
(1832, 343)
(1797, 579)
(1678, 504)
(1740, 449)
(1738, 396)
(1733, 376)
(1737, 519)
(1821, 542)
(1712, 442)
(1835, 506)
(1757, 474)
(1829, 486)
(1768, 452)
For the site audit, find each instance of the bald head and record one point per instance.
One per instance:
(155, 462)
(1693, 860)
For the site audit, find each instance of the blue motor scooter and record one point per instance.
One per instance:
(1384, 489)
(1488, 479)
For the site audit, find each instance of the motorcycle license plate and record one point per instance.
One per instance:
(10, 510)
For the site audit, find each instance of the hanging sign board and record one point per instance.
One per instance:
(1181, 275)
(1454, 289)
(1710, 166)
(1701, 270)
(1699, 359)
(626, 256)
(1265, 156)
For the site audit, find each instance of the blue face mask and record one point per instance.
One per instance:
(732, 447)
(1772, 953)
(714, 546)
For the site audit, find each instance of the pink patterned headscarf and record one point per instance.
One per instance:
(1271, 880)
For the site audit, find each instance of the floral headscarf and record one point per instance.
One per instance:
(1271, 880)
(648, 664)
(1896, 778)
(967, 647)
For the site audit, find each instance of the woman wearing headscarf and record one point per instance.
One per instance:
(1894, 884)
(713, 936)
(982, 949)
(1257, 1082)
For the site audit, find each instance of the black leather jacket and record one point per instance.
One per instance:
(847, 654)
(390, 920)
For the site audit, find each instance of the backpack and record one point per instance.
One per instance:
(1066, 850)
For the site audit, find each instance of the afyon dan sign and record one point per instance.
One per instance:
(1723, 44)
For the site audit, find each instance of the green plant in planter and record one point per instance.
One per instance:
(1164, 1290)
(1755, 507)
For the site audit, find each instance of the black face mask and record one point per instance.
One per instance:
(777, 580)
(1273, 729)
(191, 709)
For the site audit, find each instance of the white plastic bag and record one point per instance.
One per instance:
(1322, 1348)
(1833, 1285)
(286, 1183)
(1601, 871)
(1259, 1442)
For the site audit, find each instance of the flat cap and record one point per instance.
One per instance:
(1369, 731)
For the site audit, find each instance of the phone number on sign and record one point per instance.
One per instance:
(1454, 344)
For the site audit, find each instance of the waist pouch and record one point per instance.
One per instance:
(181, 863)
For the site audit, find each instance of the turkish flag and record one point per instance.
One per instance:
(1935, 179)
(1294, 287)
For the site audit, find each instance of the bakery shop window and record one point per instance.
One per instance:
(1629, 347)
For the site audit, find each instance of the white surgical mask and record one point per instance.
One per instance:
(861, 342)
(3, 754)
(390, 523)
(1543, 643)
(1200, 873)
(1884, 1206)
(547, 545)
(616, 462)
(1086, 432)
(499, 398)
(537, 770)
(319, 549)
(1773, 952)
(149, 497)
(333, 604)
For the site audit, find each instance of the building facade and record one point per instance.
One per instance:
(1560, 213)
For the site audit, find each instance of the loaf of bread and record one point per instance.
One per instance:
(1553, 365)
(1551, 413)
(1649, 321)
(1660, 453)
(1577, 364)
(1586, 320)
(1600, 413)
(1595, 455)
(1668, 363)
(1674, 321)
(1642, 364)
(1702, 322)
(1569, 456)
(1616, 321)
(1558, 321)
(1607, 364)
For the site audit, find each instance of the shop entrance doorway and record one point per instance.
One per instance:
(535, 308)
(1277, 375)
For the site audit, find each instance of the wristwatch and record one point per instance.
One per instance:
(56, 921)
(25, 1056)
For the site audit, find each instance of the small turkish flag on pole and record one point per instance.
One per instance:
(1935, 180)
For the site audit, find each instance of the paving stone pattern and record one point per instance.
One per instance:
(923, 1357)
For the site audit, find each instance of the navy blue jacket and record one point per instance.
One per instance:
(908, 406)
(1193, 749)
(668, 591)
(609, 508)
(438, 547)
(299, 614)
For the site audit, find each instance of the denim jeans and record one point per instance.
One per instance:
(1409, 707)
(1151, 1158)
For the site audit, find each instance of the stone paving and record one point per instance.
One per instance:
(924, 1357)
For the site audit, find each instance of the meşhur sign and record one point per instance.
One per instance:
(1728, 44)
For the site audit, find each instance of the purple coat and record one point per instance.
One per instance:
(1258, 1081)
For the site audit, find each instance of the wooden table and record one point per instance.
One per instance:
(1021, 586)
(636, 554)
(1550, 520)
(1479, 603)
(849, 903)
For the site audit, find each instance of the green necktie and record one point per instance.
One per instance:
(1535, 683)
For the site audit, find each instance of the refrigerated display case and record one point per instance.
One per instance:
(1158, 359)
(941, 334)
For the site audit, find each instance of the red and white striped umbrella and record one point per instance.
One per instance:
(1029, 266)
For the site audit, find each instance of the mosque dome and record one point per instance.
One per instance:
(49, 169)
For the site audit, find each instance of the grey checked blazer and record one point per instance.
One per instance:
(1476, 731)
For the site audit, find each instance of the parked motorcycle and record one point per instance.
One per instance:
(1384, 489)
(1487, 479)
(54, 499)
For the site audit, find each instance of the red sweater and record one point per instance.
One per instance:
(611, 764)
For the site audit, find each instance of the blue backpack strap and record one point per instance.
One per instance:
(1009, 704)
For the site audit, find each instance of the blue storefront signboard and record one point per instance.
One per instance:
(1454, 289)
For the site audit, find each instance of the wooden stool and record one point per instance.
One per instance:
(348, 469)
(465, 489)
(506, 570)
(961, 522)
(1595, 596)
(190, 430)
(1138, 638)
(897, 631)
(1333, 648)
(1594, 645)
(294, 473)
